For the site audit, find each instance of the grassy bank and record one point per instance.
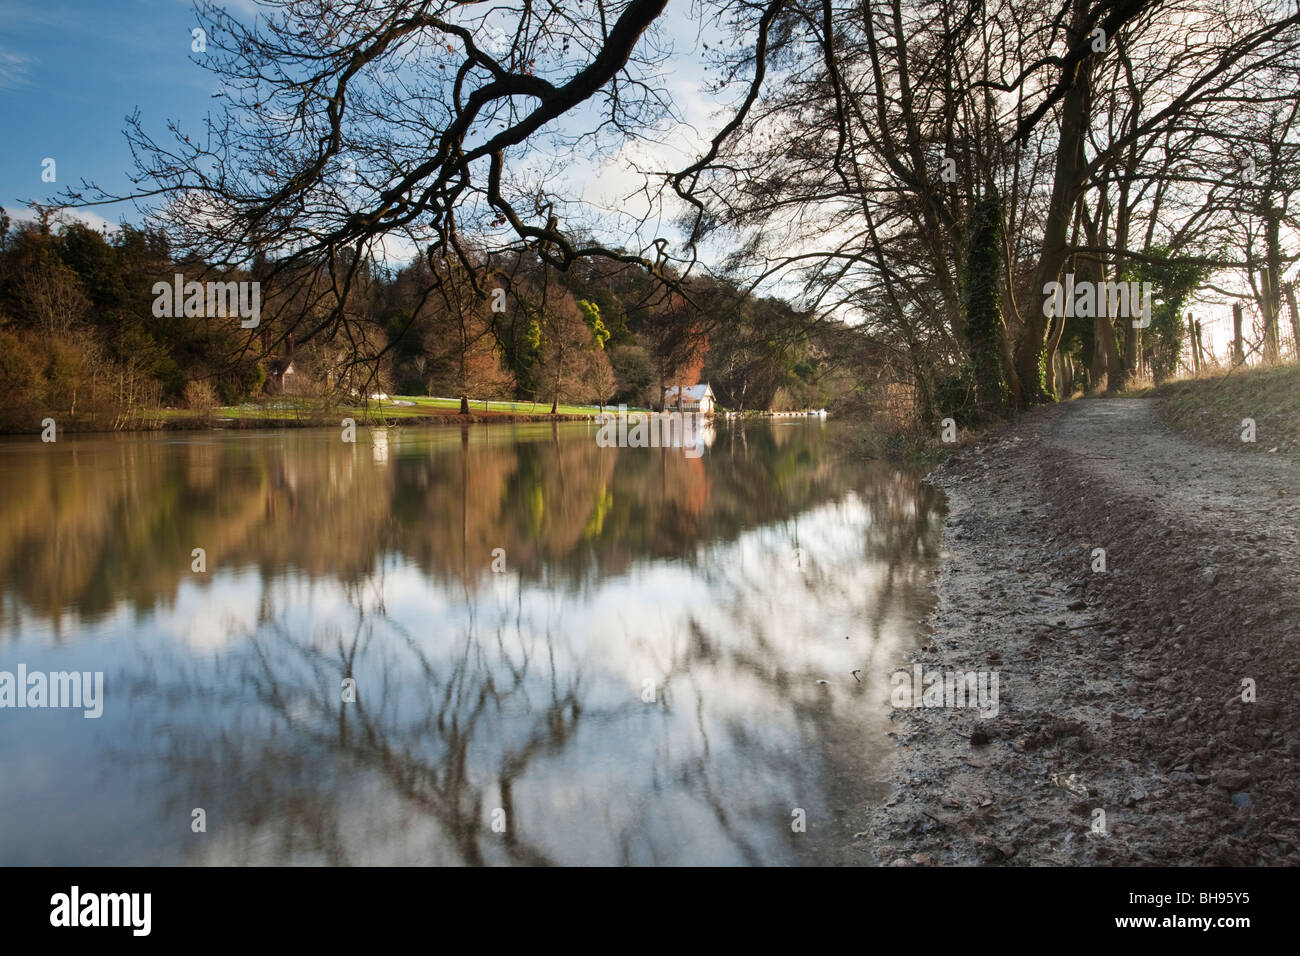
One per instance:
(423, 405)
(1213, 409)
(397, 408)
(289, 412)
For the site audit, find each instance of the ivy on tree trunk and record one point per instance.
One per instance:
(982, 304)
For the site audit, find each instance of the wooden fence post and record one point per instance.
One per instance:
(1238, 353)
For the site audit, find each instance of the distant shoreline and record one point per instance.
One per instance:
(185, 420)
(261, 423)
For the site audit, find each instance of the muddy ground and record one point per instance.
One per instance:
(1118, 690)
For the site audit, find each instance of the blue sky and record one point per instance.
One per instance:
(70, 73)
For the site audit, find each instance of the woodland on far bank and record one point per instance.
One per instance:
(80, 339)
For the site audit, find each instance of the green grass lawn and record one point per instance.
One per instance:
(413, 406)
(477, 405)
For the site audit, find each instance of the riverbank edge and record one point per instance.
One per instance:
(1089, 759)
(262, 423)
(364, 419)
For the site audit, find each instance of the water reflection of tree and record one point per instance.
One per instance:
(275, 769)
(116, 519)
(451, 727)
(281, 760)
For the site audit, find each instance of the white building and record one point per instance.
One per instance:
(693, 398)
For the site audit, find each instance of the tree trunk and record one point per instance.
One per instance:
(1272, 283)
(982, 272)
(1295, 318)
(1105, 331)
(1033, 358)
(1132, 348)
(1105, 357)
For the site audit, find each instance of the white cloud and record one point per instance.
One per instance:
(13, 69)
(83, 216)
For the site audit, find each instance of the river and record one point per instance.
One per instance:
(559, 653)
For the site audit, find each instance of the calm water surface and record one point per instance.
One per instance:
(642, 683)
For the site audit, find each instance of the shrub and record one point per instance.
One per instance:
(200, 397)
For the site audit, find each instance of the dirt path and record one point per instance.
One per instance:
(1121, 690)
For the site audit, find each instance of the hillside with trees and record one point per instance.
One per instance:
(81, 339)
